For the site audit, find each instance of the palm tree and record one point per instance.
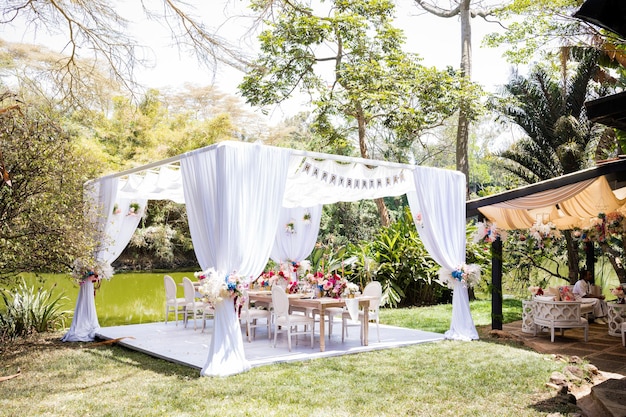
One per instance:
(559, 137)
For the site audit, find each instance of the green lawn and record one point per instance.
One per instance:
(446, 378)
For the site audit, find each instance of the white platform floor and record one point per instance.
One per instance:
(190, 347)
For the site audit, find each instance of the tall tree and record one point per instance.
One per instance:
(464, 10)
(347, 57)
(559, 138)
(42, 227)
(99, 37)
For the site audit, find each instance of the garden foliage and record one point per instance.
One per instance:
(27, 310)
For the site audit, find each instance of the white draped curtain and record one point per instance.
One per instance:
(439, 203)
(100, 198)
(120, 228)
(115, 228)
(296, 244)
(233, 196)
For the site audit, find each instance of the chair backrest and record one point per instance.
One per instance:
(190, 291)
(374, 289)
(556, 312)
(170, 287)
(280, 301)
(246, 301)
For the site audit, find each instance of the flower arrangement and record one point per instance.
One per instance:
(469, 275)
(216, 288)
(330, 285)
(488, 232)
(619, 293)
(535, 290)
(544, 231)
(604, 225)
(116, 209)
(351, 289)
(265, 280)
(133, 209)
(290, 227)
(83, 271)
(292, 287)
(306, 218)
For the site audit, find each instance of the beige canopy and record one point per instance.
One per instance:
(568, 202)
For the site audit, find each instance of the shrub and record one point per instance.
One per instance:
(28, 310)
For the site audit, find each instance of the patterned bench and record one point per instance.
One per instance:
(558, 315)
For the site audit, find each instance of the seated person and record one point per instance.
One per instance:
(582, 289)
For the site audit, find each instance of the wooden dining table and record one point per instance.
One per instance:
(319, 305)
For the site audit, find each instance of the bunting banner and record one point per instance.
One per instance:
(310, 169)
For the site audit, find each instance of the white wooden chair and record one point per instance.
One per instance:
(558, 315)
(194, 308)
(250, 315)
(284, 321)
(172, 303)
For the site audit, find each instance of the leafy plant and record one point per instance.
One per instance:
(28, 310)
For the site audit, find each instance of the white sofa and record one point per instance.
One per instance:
(558, 315)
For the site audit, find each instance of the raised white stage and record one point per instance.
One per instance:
(188, 347)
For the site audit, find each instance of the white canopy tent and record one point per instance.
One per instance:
(237, 196)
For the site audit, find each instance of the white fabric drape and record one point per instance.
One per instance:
(85, 322)
(162, 184)
(297, 244)
(116, 229)
(439, 199)
(100, 198)
(312, 181)
(120, 229)
(233, 197)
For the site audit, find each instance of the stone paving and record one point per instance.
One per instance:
(602, 350)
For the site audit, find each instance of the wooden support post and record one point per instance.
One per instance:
(496, 284)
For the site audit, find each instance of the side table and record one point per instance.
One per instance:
(617, 315)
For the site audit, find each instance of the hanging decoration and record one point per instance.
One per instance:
(330, 178)
(488, 232)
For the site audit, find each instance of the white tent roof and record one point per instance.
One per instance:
(326, 178)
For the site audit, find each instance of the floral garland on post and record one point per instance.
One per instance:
(488, 232)
(214, 288)
(600, 228)
(469, 275)
(90, 270)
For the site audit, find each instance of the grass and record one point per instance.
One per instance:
(435, 379)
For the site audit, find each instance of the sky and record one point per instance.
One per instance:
(436, 40)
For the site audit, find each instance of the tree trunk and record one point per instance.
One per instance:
(462, 133)
(613, 255)
(380, 203)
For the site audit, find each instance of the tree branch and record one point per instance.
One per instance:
(438, 11)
